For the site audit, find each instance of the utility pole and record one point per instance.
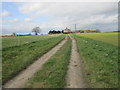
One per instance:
(75, 27)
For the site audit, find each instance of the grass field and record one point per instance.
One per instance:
(20, 40)
(53, 73)
(16, 58)
(99, 53)
(0, 61)
(100, 60)
(111, 38)
(0, 68)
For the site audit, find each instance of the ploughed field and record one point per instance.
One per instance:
(17, 57)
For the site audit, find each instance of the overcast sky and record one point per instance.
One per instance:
(23, 17)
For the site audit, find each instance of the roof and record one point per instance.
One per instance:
(66, 30)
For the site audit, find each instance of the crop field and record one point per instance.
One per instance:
(98, 52)
(100, 59)
(20, 40)
(53, 73)
(16, 58)
(111, 38)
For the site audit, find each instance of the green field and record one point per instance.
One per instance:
(0, 68)
(99, 53)
(20, 40)
(16, 58)
(111, 38)
(53, 72)
(0, 61)
(100, 61)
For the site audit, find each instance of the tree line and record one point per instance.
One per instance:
(55, 32)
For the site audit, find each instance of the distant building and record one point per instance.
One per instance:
(66, 31)
(87, 31)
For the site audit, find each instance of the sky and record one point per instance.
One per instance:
(22, 17)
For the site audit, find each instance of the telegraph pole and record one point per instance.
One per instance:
(75, 27)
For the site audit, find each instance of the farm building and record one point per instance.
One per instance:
(87, 31)
(66, 31)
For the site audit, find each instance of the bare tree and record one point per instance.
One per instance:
(36, 30)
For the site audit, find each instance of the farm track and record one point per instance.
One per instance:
(75, 77)
(20, 80)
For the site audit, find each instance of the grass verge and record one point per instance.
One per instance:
(101, 62)
(18, 58)
(53, 72)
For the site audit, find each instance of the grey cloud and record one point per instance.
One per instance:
(86, 15)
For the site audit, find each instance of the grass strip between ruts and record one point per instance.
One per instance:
(53, 72)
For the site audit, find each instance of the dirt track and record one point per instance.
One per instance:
(75, 78)
(20, 80)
